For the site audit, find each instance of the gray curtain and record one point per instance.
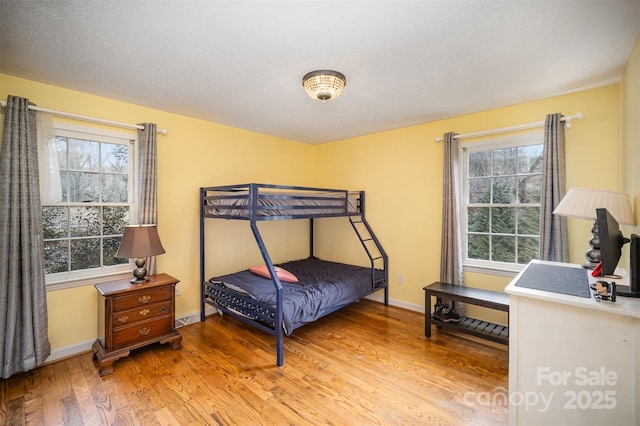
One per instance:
(148, 190)
(451, 253)
(24, 342)
(553, 228)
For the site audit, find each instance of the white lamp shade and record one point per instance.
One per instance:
(582, 203)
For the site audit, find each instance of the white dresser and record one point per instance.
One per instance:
(572, 360)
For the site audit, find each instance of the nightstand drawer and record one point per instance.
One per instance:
(141, 331)
(141, 313)
(141, 299)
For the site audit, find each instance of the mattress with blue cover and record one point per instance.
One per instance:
(322, 287)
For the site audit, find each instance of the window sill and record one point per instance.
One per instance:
(492, 270)
(80, 282)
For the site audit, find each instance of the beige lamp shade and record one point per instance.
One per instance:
(140, 241)
(582, 203)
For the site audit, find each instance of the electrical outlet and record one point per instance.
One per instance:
(177, 289)
(400, 278)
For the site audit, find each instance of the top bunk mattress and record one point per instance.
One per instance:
(272, 201)
(322, 287)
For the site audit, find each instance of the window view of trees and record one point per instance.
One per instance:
(84, 230)
(503, 205)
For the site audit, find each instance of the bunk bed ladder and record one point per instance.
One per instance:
(376, 253)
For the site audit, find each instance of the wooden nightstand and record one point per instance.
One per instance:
(132, 316)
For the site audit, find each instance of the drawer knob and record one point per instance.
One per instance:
(163, 308)
(144, 299)
(144, 312)
(144, 331)
(123, 318)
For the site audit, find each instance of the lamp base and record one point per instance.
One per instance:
(139, 280)
(140, 273)
(593, 255)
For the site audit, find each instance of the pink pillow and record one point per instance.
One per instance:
(283, 274)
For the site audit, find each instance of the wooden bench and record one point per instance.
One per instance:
(473, 296)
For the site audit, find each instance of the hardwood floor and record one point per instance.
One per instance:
(365, 364)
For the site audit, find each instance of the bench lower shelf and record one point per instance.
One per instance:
(486, 330)
(473, 296)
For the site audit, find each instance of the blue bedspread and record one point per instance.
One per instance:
(323, 287)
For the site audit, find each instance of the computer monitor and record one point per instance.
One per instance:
(634, 260)
(611, 242)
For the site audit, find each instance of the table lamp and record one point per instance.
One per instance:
(582, 203)
(140, 241)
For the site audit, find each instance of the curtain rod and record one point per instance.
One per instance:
(566, 119)
(86, 118)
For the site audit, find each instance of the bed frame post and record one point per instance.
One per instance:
(311, 242)
(279, 332)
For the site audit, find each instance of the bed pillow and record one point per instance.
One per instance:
(283, 274)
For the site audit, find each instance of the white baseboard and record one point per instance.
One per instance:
(194, 317)
(69, 351)
(73, 350)
(79, 348)
(398, 303)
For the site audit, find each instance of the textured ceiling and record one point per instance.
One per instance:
(241, 63)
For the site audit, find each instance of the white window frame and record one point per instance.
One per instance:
(516, 140)
(62, 280)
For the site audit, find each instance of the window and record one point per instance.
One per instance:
(501, 202)
(82, 232)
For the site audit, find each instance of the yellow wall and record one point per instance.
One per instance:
(630, 131)
(195, 153)
(402, 166)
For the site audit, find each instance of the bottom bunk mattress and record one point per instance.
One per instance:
(322, 288)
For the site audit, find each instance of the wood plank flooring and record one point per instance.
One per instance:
(366, 364)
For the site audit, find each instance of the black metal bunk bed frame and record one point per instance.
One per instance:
(255, 207)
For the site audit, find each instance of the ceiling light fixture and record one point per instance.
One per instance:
(324, 85)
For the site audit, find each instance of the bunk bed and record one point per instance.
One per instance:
(279, 298)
